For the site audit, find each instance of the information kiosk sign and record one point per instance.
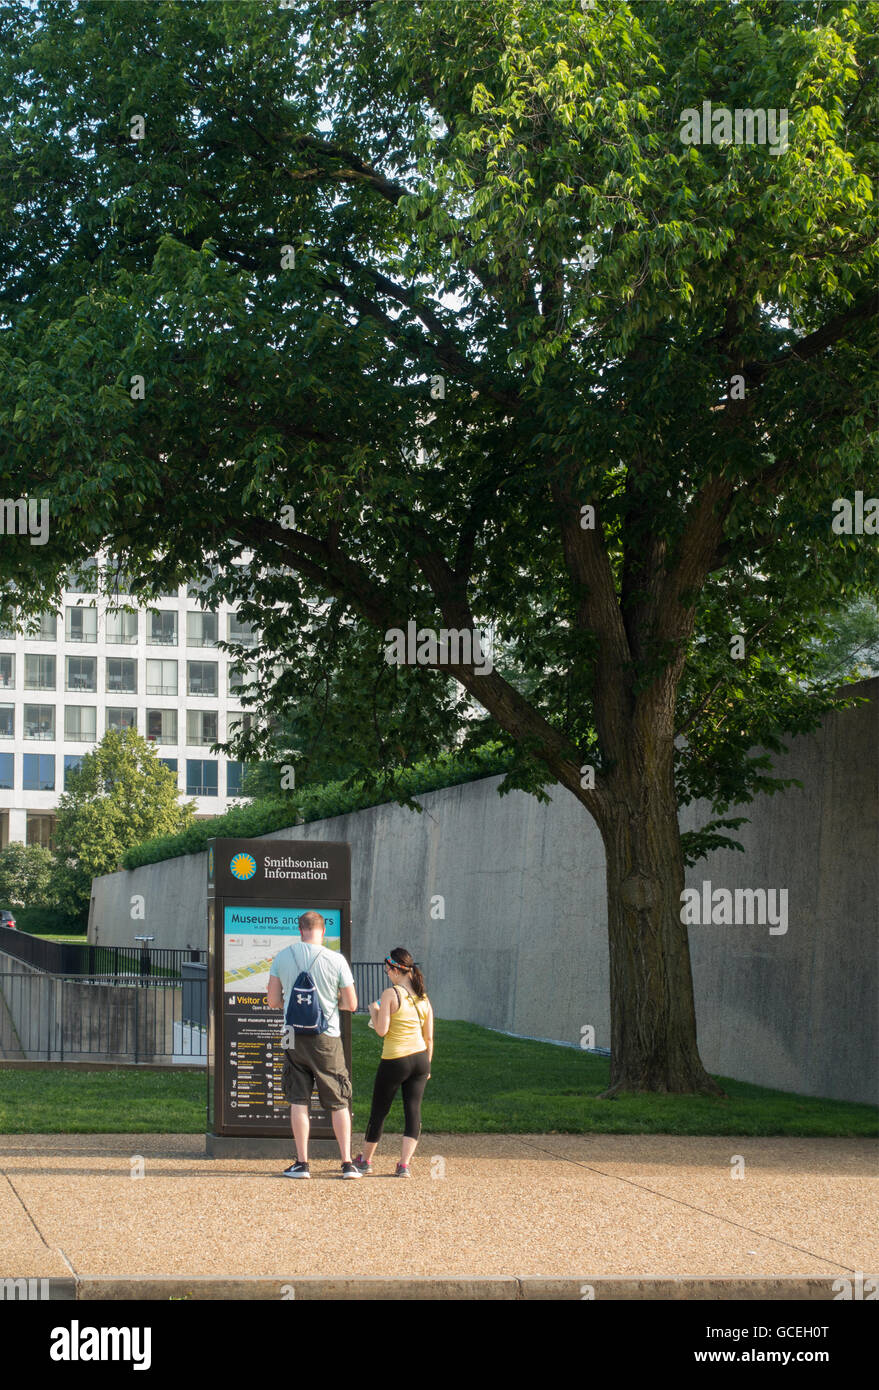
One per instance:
(257, 892)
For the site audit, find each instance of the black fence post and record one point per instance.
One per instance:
(144, 955)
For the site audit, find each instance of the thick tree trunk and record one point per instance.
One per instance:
(653, 1019)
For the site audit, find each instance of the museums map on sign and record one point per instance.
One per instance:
(253, 936)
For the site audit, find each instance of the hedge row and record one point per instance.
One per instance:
(319, 803)
(43, 920)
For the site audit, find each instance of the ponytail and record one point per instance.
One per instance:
(404, 959)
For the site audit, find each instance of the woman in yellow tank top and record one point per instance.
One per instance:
(404, 1018)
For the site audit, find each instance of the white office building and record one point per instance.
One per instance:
(94, 666)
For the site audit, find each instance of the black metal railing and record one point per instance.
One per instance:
(369, 981)
(74, 1018)
(128, 1013)
(81, 958)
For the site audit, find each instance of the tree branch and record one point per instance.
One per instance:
(834, 331)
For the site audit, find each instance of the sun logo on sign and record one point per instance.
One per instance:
(243, 866)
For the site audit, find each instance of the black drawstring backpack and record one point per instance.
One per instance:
(305, 1012)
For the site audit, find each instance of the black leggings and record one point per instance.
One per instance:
(410, 1073)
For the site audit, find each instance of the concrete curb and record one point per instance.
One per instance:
(147, 1288)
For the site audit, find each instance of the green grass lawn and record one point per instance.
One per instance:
(102, 1102)
(482, 1083)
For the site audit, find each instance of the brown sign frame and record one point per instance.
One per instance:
(277, 886)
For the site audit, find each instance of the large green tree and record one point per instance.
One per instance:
(432, 312)
(118, 796)
(26, 875)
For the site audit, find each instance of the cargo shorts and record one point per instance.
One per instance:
(318, 1060)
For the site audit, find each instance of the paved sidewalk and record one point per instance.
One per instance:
(480, 1207)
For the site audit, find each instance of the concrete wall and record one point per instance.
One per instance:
(523, 943)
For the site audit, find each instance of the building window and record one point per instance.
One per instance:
(121, 675)
(201, 678)
(201, 726)
(121, 718)
(200, 586)
(39, 772)
(84, 579)
(81, 624)
(161, 628)
(240, 724)
(161, 725)
(39, 672)
(201, 777)
(239, 679)
(118, 580)
(82, 673)
(201, 629)
(7, 772)
(80, 723)
(7, 721)
(242, 633)
(72, 761)
(39, 722)
(161, 677)
(45, 628)
(41, 829)
(121, 627)
(7, 669)
(234, 775)
(171, 764)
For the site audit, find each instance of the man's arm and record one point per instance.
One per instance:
(274, 993)
(347, 988)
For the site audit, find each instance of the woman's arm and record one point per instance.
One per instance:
(387, 1005)
(427, 1031)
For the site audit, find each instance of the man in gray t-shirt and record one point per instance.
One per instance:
(329, 970)
(316, 1059)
